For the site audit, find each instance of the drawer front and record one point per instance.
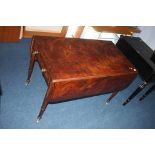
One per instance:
(43, 68)
(64, 90)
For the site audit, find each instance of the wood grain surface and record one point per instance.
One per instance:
(78, 67)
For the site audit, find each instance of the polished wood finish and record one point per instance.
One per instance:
(75, 68)
(29, 34)
(128, 30)
(10, 33)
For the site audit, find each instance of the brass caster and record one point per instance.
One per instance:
(38, 119)
(27, 82)
(107, 103)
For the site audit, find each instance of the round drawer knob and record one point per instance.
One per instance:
(43, 70)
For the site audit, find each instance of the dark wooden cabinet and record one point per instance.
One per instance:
(142, 57)
(139, 53)
(10, 33)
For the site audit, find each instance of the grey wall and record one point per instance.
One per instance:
(148, 35)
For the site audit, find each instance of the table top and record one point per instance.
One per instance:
(74, 58)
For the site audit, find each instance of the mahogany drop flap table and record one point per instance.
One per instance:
(75, 68)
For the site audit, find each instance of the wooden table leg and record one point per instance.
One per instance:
(138, 90)
(32, 61)
(148, 92)
(45, 103)
(110, 98)
(31, 66)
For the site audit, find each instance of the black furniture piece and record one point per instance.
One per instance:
(148, 92)
(142, 57)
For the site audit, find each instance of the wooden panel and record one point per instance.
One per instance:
(29, 34)
(43, 66)
(9, 33)
(128, 30)
(66, 90)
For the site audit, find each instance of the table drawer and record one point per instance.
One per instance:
(43, 68)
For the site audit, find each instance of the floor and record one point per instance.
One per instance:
(20, 104)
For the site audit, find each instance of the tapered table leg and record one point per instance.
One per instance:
(44, 105)
(138, 90)
(111, 96)
(32, 61)
(148, 92)
(31, 66)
